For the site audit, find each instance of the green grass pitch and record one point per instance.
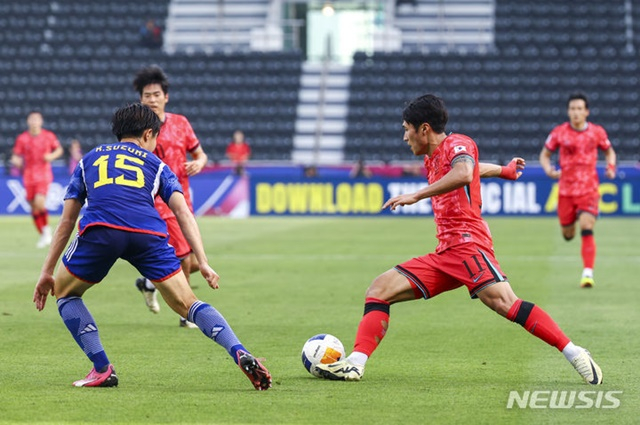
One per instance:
(446, 360)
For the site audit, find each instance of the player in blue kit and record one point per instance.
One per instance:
(119, 182)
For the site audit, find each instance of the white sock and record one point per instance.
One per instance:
(150, 286)
(571, 351)
(357, 358)
(587, 272)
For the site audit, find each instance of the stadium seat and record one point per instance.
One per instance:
(509, 98)
(538, 63)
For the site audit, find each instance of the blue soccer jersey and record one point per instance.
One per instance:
(119, 183)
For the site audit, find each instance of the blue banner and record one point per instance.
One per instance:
(286, 191)
(212, 194)
(533, 194)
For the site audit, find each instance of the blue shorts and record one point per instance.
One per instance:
(92, 254)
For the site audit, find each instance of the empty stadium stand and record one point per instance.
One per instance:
(209, 26)
(510, 97)
(75, 61)
(432, 25)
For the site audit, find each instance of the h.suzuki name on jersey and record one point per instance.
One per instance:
(117, 147)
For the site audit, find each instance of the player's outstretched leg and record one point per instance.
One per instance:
(83, 328)
(539, 323)
(586, 367)
(255, 371)
(214, 326)
(371, 330)
(148, 291)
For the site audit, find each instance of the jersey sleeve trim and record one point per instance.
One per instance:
(194, 148)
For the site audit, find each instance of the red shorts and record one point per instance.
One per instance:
(37, 188)
(176, 238)
(465, 264)
(569, 207)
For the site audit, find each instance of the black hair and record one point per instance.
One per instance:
(132, 120)
(152, 74)
(578, 96)
(427, 108)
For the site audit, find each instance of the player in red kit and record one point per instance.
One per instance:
(238, 151)
(34, 151)
(577, 142)
(175, 141)
(464, 255)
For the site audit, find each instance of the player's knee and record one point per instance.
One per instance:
(374, 292)
(378, 288)
(178, 303)
(180, 308)
(502, 308)
(499, 305)
(568, 232)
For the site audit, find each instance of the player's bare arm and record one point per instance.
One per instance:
(68, 219)
(610, 156)
(17, 161)
(511, 171)
(199, 161)
(191, 232)
(545, 162)
(460, 175)
(52, 156)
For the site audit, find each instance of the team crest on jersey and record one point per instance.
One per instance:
(458, 149)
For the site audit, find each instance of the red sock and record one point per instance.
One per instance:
(373, 326)
(45, 218)
(41, 220)
(538, 322)
(37, 221)
(588, 250)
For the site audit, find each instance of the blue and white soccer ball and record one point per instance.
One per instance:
(322, 348)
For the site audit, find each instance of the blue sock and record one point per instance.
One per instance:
(214, 326)
(83, 329)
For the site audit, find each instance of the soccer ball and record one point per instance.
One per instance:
(322, 348)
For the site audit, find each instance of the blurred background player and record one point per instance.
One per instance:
(151, 34)
(360, 170)
(577, 142)
(238, 152)
(34, 150)
(464, 255)
(131, 230)
(75, 154)
(175, 141)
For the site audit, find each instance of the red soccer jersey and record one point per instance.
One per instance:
(176, 138)
(238, 152)
(457, 213)
(578, 156)
(33, 149)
